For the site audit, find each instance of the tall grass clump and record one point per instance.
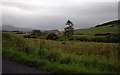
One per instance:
(102, 64)
(54, 55)
(13, 41)
(63, 38)
(16, 42)
(23, 58)
(5, 36)
(42, 48)
(68, 59)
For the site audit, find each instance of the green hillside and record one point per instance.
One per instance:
(52, 56)
(81, 53)
(110, 27)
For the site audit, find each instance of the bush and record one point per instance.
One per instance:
(29, 36)
(80, 34)
(71, 39)
(52, 36)
(63, 43)
(38, 33)
(100, 34)
(82, 39)
(99, 39)
(113, 38)
(19, 33)
(63, 38)
(109, 38)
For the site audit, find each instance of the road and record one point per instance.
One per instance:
(13, 67)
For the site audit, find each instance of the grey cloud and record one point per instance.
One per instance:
(54, 16)
(20, 5)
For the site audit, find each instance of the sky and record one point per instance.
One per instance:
(53, 14)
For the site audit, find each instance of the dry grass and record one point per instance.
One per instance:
(83, 56)
(80, 48)
(106, 49)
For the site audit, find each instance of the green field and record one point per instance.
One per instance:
(95, 30)
(57, 56)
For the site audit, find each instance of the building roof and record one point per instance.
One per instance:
(52, 31)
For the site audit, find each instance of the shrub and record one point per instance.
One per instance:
(113, 38)
(42, 33)
(29, 36)
(38, 33)
(100, 34)
(109, 38)
(63, 43)
(99, 39)
(80, 34)
(32, 33)
(63, 38)
(19, 33)
(71, 39)
(52, 36)
(82, 39)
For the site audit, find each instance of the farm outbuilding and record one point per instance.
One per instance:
(55, 31)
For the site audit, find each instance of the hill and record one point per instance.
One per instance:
(12, 28)
(110, 27)
(112, 23)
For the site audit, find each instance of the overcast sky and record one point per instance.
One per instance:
(53, 14)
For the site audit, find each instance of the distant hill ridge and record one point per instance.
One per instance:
(109, 27)
(108, 23)
(12, 28)
(111, 23)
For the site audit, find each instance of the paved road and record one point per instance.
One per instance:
(13, 67)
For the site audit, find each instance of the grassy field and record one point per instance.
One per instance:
(96, 34)
(64, 55)
(53, 56)
(113, 28)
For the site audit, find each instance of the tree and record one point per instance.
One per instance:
(34, 32)
(38, 33)
(52, 36)
(69, 30)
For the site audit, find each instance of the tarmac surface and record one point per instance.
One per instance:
(9, 66)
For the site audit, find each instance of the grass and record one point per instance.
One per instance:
(55, 57)
(64, 55)
(95, 30)
(80, 48)
(67, 63)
